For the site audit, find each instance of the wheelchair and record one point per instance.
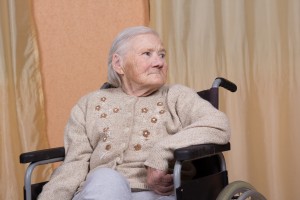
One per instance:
(209, 183)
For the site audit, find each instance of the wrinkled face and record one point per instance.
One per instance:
(144, 65)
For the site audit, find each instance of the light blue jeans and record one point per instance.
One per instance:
(108, 184)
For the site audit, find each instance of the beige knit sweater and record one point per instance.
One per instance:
(109, 128)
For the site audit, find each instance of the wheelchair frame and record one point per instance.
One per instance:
(191, 153)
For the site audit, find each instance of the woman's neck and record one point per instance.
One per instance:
(138, 91)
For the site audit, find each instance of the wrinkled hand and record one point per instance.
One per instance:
(159, 181)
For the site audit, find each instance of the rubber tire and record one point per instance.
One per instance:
(234, 188)
(253, 194)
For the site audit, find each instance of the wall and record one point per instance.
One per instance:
(74, 39)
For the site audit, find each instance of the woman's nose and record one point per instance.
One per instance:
(158, 61)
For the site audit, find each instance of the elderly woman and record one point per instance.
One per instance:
(119, 141)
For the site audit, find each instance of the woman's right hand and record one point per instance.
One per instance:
(159, 181)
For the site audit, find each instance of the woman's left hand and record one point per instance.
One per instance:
(159, 181)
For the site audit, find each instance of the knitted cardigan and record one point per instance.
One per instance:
(108, 128)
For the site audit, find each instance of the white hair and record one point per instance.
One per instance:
(120, 45)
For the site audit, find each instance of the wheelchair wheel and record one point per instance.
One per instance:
(240, 190)
(251, 194)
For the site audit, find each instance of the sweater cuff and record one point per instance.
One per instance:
(158, 159)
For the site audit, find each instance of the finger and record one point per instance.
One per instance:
(164, 190)
(165, 183)
(168, 178)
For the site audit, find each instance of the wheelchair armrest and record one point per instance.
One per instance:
(199, 151)
(44, 154)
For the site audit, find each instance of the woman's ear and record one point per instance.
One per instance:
(117, 63)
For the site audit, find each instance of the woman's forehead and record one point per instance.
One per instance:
(145, 41)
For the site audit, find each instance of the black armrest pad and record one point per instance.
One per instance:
(199, 151)
(40, 155)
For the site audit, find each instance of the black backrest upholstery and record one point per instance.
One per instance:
(211, 95)
(106, 85)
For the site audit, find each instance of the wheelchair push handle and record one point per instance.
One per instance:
(222, 82)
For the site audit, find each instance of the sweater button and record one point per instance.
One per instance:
(161, 112)
(103, 115)
(137, 147)
(97, 108)
(153, 119)
(115, 110)
(144, 110)
(108, 147)
(104, 138)
(146, 133)
(160, 103)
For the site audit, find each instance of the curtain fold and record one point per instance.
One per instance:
(22, 114)
(256, 44)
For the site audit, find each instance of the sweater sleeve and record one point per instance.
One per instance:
(67, 177)
(200, 123)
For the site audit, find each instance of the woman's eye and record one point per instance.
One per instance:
(147, 53)
(162, 55)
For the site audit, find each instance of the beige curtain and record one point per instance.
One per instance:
(22, 114)
(256, 44)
